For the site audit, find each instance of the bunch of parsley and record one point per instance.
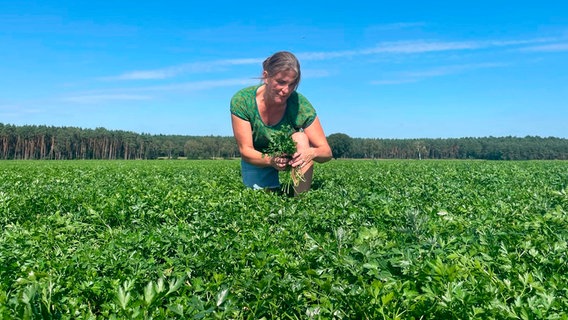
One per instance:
(282, 145)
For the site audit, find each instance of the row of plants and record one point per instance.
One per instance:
(372, 240)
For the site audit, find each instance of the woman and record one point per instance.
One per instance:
(260, 110)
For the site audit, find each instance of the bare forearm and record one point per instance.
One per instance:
(255, 157)
(321, 154)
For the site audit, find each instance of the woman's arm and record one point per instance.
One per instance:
(318, 142)
(318, 149)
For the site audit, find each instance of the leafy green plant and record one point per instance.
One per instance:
(282, 145)
(385, 239)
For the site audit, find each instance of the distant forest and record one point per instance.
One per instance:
(31, 142)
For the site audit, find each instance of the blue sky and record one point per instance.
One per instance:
(384, 69)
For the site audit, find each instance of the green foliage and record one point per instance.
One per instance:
(372, 240)
(281, 143)
(66, 143)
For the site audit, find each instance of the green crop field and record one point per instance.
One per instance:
(373, 240)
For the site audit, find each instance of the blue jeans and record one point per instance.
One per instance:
(259, 177)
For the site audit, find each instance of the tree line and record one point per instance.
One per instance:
(65, 143)
(486, 148)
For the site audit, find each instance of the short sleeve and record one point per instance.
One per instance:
(300, 112)
(307, 114)
(240, 105)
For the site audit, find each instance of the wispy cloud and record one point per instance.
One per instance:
(553, 47)
(385, 48)
(196, 67)
(146, 74)
(398, 26)
(421, 46)
(511, 43)
(397, 47)
(103, 97)
(415, 76)
(199, 85)
(149, 92)
(14, 110)
(418, 46)
(315, 73)
(394, 81)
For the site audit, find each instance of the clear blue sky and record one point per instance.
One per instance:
(372, 69)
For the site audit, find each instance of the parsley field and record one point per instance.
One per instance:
(373, 240)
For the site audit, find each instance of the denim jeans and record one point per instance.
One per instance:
(259, 177)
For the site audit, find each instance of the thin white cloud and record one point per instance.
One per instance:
(418, 46)
(422, 46)
(15, 111)
(395, 47)
(169, 72)
(102, 97)
(315, 73)
(145, 75)
(394, 81)
(507, 43)
(134, 93)
(12, 110)
(327, 55)
(453, 69)
(398, 26)
(415, 76)
(553, 47)
(199, 85)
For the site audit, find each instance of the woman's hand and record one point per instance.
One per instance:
(279, 163)
(302, 159)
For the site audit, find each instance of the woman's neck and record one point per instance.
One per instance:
(264, 98)
(269, 103)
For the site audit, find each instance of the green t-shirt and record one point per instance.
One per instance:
(299, 114)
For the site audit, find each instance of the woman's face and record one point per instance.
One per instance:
(280, 86)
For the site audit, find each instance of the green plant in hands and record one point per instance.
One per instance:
(282, 145)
